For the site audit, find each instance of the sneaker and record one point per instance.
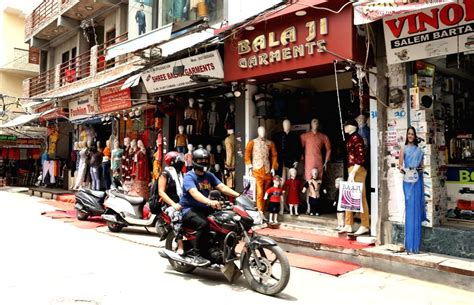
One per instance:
(316, 214)
(196, 260)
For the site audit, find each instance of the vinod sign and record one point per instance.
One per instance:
(288, 43)
(432, 32)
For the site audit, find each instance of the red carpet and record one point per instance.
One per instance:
(326, 240)
(67, 198)
(322, 265)
(66, 213)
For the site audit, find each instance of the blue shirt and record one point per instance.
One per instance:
(203, 183)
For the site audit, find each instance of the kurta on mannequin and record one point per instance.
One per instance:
(261, 159)
(313, 142)
(229, 170)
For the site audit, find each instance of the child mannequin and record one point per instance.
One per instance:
(273, 195)
(181, 140)
(292, 187)
(340, 213)
(190, 116)
(188, 158)
(313, 186)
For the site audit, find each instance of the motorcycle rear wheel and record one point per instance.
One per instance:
(81, 215)
(259, 279)
(171, 245)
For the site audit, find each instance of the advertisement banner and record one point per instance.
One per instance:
(140, 13)
(438, 31)
(164, 78)
(82, 107)
(350, 197)
(112, 98)
(369, 11)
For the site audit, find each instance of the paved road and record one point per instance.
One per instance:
(45, 261)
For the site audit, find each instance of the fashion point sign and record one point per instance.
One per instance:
(429, 33)
(288, 43)
(164, 78)
(82, 107)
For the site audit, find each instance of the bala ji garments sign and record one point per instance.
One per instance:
(82, 107)
(112, 98)
(162, 78)
(429, 33)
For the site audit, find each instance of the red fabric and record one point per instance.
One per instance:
(4, 153)
(274, 194)
(355, 150)
(293, 188)
(14, 154)
(36, 153)
(140, 168)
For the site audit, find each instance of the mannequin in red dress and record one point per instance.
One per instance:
(293, 188)
(141, 171)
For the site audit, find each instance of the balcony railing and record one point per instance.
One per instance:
(43, 13)
(80, 67)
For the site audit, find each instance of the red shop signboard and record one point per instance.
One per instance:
(288, 43)
(112, 98)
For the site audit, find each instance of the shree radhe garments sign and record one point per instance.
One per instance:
(429, 33)
(369, 11)
(82, 107)
(162, 78)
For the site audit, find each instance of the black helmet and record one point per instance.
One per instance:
(201, 159)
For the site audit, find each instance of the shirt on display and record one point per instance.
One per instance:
(355, 150)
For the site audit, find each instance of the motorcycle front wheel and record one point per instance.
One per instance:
(274, 272)
(172, 244)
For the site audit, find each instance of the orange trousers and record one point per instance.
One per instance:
(262, 183)
(364, 217)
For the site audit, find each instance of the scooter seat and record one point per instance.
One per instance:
(97, 194)
(134, 200)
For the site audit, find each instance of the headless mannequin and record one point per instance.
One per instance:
(117, 154)
(201, 118)
(357, 173)
(313, 142)
(261, 159)
(212, 118)
(188, 158)
(181, 140)
(190, 116)
(229, 166)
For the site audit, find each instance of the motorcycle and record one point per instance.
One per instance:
(127, 211)
(89, 203)
(264, 264)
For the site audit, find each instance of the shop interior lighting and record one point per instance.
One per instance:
(250, 28)
(79, 15)
(301, 72)
(89, 8)
(300, 13)
(251, 80)
(287, 78)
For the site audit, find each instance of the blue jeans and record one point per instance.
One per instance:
(95, 178)
(105, 170)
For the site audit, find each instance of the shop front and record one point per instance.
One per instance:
(302, 82)
(194, 108)
(432, 90)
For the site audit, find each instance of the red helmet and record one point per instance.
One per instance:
(173, 157)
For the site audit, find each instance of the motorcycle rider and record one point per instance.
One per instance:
(170, 190)
(196, 204)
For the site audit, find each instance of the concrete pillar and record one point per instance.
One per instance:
(26, 88)
(93, 62)
(57, 77)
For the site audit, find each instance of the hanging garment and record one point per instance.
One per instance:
(49, 168)
(82, 168)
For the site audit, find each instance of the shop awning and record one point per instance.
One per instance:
(141, 42)
(25, 118)
(183, 42)
(368, 11)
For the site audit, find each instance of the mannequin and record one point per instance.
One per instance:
(91, 134)
(82, 167)
(201, 118)
(105, 166)
(219, 156)
(190, 116)
(357, 173)
(212, 158)
(262, 160)
(157, 156)
(289, 149)
(181, 140)
(313, 142)
(212, 118)
(313, 186)
(95, 162)
(117, 154)
(274, 196)
(141, 171)
(292, 188)
(216, 170)
(229, 122)
(126, 161)
(364, 130)
(53, 137)
(229, 166)
(188, 158)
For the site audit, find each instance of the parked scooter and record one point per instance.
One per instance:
(264, 264)
(89, 203)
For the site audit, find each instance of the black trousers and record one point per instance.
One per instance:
(197, 219)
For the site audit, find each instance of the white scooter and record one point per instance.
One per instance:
(126, 211)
